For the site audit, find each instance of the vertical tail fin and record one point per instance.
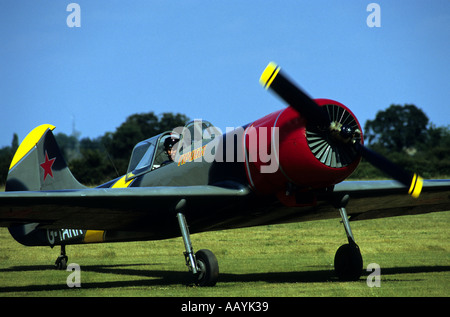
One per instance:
(39, 165)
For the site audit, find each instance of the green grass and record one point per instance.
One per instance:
(280, 260)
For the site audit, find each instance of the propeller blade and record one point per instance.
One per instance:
(279, 83)
(411, 180)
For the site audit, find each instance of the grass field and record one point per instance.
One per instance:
(280, 260)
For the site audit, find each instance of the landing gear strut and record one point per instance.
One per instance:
(203, 264)
(61, 261)
(348, 262)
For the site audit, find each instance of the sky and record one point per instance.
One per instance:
(203, 58)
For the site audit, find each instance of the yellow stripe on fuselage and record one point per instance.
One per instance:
(122, 183)
(93, 236)
(29, 142)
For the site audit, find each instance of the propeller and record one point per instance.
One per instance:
(274, 79)
(278, 82)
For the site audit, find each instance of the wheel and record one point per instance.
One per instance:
(61, 262)
(208, 268)
(348, 262)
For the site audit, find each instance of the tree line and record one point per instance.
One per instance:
(405, 135)
(401, 133)
(94, 161)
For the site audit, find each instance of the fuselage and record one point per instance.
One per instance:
(274, 159)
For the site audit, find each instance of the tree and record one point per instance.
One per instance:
(136, 128)
(15, 143)
(397, 128)
(404, 135)
(107, 157)
(69, 145)
(92, 168)
(6, 156)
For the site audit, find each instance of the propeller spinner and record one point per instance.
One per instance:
(319, 123)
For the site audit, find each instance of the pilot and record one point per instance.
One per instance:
(170, 148)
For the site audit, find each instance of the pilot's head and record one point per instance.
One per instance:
(170, 146)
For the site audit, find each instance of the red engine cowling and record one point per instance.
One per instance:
(281, 153)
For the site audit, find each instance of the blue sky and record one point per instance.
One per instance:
(204, 59)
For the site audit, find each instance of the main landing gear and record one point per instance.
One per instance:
(61, 261)
(203, 264)
(348, 262)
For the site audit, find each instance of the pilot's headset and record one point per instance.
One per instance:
(170, 142)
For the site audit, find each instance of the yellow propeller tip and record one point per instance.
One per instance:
(269, 75)
(416, 186)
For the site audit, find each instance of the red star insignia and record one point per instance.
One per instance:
(47, 166)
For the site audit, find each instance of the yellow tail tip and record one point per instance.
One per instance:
(29, 142)
(269, 74)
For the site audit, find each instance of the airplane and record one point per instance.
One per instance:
(289, 166)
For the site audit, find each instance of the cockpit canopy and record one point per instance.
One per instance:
(150, 154)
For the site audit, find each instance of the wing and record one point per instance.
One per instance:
(377, 199)
(368, 200)
(209, 207)
(135, 209)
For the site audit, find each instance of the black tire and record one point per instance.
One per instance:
(61, 262)
(348, 262)
(208, 268)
